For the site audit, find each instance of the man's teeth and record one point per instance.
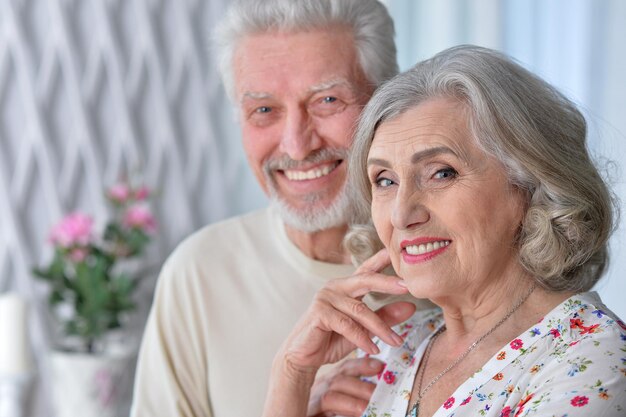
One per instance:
(310, 174)
(425, 248)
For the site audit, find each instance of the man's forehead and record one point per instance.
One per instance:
(296, 64)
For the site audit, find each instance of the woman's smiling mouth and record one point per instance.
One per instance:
(423, 249)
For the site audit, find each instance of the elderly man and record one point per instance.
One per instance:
(299, 71)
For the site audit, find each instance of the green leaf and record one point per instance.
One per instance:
(55, 297)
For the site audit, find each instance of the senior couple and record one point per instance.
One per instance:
(470, 186)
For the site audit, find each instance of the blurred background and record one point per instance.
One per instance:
(95, 91)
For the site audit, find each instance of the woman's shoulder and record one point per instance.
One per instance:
(583, 317)
(581, 367)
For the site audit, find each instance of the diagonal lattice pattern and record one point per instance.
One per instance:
(95, 90)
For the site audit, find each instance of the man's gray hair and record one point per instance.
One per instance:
(540, 138)
(368, 20)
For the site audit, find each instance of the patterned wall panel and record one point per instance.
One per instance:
(95, 90)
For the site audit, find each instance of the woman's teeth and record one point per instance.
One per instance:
(425, 248)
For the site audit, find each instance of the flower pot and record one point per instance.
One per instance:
(90, 385)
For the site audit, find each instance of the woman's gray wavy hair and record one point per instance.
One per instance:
(368, 20)
(535, 132)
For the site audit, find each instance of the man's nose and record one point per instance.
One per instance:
(408, 209)
(299, 137)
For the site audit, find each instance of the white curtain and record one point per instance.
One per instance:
(577, 45)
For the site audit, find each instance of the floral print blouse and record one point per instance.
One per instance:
(571, 363)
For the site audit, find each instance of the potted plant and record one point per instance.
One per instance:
(90, 295)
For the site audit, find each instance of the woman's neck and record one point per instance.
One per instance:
(505, 312)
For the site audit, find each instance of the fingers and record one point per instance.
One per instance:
(365, 322)
(340, 308)
(362, 283)
(396, 313)
(376, 263)
(338, 321)
(338, 403)
(341, 391)
(360, 367)
(345, 326)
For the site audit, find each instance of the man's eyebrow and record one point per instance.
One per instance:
(416, 157)
(327, 85)
(255, 95)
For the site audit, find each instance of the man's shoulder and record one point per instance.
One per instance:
(218, 236)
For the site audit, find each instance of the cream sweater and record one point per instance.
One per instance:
(225, 301)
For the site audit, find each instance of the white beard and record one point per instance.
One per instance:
(314, 217)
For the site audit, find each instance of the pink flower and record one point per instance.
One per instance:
(73, 230)
(467, 400)
(449, 403)
(139, 217)
(579, 401)
(119, 193)
(389, 377)
(506, 411)
(105, 387)
(78, 254)
(516, 344)
(142, 193)
(555, 333)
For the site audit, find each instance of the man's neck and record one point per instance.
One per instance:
(325, 245)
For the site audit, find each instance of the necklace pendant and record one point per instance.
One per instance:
(414, 411)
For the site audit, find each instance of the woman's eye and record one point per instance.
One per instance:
(446, 173)
(384, 182)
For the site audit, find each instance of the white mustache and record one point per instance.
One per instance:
(285, 162)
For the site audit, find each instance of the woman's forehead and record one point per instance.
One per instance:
(439, 122)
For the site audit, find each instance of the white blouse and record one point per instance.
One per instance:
(571, 363)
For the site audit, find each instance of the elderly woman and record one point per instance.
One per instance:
(485, 198)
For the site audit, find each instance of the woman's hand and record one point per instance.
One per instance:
(334, 325)
(338, 321)
(341, 391)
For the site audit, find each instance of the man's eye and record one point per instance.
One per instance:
(446, 173)
(329, 99)
(263, 109)
(384, 182)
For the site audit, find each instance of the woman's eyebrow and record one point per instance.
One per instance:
(428, 153)
(416, 157)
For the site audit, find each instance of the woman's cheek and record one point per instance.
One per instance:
(382, 223)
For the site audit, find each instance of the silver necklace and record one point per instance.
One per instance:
(414, 410)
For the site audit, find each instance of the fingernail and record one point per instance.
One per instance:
(401, 283)
(374, 364)
(396, 338)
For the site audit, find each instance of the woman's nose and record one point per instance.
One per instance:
(409, 210)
